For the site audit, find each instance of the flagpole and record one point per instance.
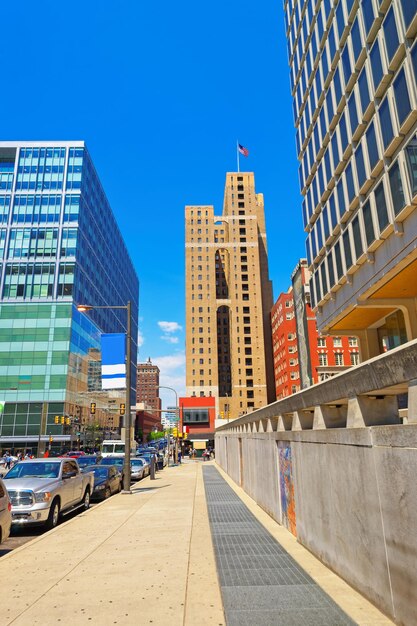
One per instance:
(237, 154)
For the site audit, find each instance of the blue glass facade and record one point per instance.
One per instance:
(59, 246)
(354, 83)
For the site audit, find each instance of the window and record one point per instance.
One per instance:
(385, 123)
(376, 64)
(354, 358)
(381, 207)
(402, 97)
(373, 153)
(337, 342)
(368, 14)
(391, 34)
(357, 239)
(338, 358)
(360, 166)
(363, 90)
(397, 193)
(321, 342)
(353, 342)
(411, 156)
(323, 359)
(369, 226)
(353, 113)
(356, 40)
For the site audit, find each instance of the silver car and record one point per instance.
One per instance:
(5, 513)
(136, 469)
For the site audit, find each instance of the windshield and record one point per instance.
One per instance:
(87, 460)
(101, 472)
(136, 462)
(119, 447)
(34, 470)
(108, 448)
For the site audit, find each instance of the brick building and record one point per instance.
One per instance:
(147, 390)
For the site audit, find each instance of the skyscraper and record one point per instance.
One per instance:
(353, 73)
(60, 246)
(228, 301)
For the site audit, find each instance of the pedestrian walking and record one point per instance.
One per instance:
(8, 460)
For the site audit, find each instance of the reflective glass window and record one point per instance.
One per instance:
(391, 34)
(348, 252)
(326, 227)
(324, 277)
(353, 113)
(381, 206)
(356, 39)
(368, 14)
(329, 105)
(324, 63)
(317, 286)
(357, 239)
(338, 259)
(372, 146)
(69, 241)
(409, 8)
(332, 211)
(376, 64)
(335, 150)
(332, 42)
(396, 185)
(414, 60)
(341, 197)
(330, 270)
(411, 155)
(346, 63)
(402, 97)
(364, 90)
(4, 209)
(337, 86)
(368, 223)
(71, 208)
(343, 132)
(385, 123)
(350, 183)
(327, 165)
(360, 166)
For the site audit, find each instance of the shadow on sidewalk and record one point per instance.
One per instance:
(141, 489)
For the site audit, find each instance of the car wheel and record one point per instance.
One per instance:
(107, 493)
(53, 516)
(86, 499)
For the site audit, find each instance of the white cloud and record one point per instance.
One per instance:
(169, 327)
(170, 362)
(169, 339)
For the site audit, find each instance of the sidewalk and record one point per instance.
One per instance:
(145, 558)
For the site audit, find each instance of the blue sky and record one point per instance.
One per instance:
(160, 91)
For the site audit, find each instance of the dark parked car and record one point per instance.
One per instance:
(118, 461)
(107, 480)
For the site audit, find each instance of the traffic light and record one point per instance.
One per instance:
(228, 415)
(56, 419)
(51, 439)
(68, 421)
(62, 420)
(122, 409)
(175, 432)
(92, 408)
(222, 414)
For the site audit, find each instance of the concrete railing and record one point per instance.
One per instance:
(337, 464)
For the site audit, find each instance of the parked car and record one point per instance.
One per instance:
(5, 512)
(41, 490)
(107, 480)
(137, 470)
(118, 461)
(145, 464)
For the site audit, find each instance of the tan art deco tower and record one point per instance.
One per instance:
(228, 301)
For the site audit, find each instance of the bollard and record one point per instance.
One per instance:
(153, 463)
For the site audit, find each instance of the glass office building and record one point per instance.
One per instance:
(353, 74)
(59, 246)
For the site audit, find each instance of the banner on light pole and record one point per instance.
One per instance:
(113, 361)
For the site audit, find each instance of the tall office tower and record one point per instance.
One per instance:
(148, 386)
(228, 301)
(353, 72)
(60, 246)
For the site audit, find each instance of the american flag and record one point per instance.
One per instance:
(243, 150)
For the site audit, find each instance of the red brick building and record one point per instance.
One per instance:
(301, 356)
(147, 386)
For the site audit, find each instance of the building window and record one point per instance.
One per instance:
(337, 342)
(321, 342)
(338, 357)
(323, 359)
(397, 192)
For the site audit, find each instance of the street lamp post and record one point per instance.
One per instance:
(128, 418)
(176, 415)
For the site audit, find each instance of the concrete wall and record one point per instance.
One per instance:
(355, 501)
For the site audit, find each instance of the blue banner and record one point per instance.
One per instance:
(113, 361)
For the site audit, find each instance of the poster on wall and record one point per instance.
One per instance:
(287, 487)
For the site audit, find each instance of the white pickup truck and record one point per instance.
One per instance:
(41, 490)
